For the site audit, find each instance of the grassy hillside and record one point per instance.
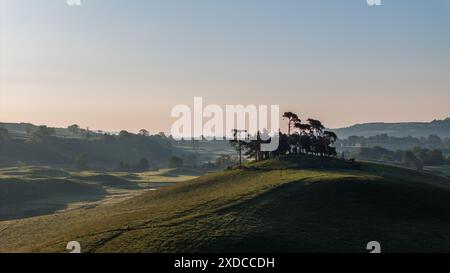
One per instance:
(103, 152)
(33, 191)
(298, 204)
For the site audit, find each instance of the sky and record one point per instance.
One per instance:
(123, 64)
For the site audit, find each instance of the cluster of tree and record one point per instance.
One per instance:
(416, 157)
(302, 138)
(43, 147)
(143, 135)
(142, 165)
(221, 162)
(419, 157)
(43, 133)
(431, 142)
(190, 160)
(37, 133)
(75, 130)
(225, 161)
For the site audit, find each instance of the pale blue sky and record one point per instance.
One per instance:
(116, 64)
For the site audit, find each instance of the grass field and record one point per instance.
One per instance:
(32, 191)
(298, 204)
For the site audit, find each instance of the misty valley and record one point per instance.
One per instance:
(224, 136)
(73, 175)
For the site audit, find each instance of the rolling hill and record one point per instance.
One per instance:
(104, 152)
(294, 204)
(401, 129)
(30, 191)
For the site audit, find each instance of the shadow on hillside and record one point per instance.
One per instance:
(108, 181)
(341, 216)
(37, 172)
(23, 198)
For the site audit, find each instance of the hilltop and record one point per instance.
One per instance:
(294, 204)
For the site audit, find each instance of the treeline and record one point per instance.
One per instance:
(416, 157)
(191, 160)
(301, 138)
(431, 142)
(142, 165)
(27, 130)
(100, 152)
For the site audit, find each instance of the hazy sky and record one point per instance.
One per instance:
(121, 64)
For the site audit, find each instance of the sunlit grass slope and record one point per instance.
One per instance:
(297, 204)
(29, 191)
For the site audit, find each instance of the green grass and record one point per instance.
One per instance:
(33, 172)
(298, 204)
(32, 191)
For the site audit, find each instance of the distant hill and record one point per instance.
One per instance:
(296, 204)
(104, 149)
(21, 145)
(403, 129)
(24, 131)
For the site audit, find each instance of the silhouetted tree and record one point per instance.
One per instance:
(294, 143)
(316, 126)
(329, 138)
(125, 135)
(144, 132)
(292, 119)
(238, 143)
(74, 129)
(283, 147)
(304, 129)
(310, 139)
